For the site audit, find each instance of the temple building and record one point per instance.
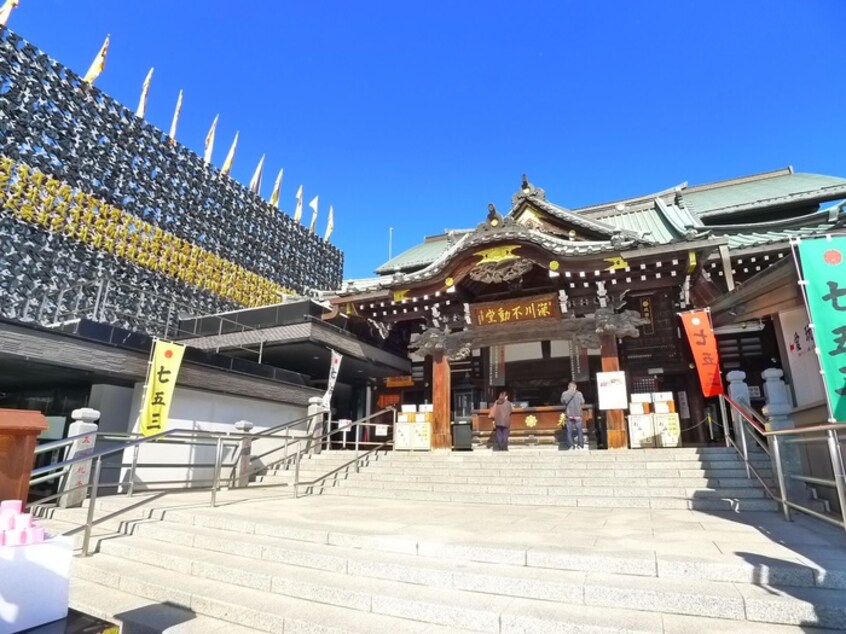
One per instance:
(546, 294)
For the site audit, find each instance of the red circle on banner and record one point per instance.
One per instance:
(168, 354)
(833, 256)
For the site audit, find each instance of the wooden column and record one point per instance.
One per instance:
(442, 401)
(618, 437)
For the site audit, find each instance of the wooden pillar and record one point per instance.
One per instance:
(618, 437)
(442, 401)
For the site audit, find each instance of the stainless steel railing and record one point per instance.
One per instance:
(748, 423)
(219, 440)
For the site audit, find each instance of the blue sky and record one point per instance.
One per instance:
(415, 115)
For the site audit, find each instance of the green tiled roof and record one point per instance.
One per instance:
(646, 221)
(712, 200)
(420, 255)
(745, 236)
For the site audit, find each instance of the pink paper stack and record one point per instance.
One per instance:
(16, 527)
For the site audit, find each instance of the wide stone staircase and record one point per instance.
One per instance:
(708, 479)
(529, 541)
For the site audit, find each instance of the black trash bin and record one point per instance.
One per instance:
(462, 434)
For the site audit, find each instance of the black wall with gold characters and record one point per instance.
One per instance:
(90, 191)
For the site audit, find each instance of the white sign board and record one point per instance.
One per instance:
(667, 430)
(641, 431)
(413, 436)
(801, 357)
(611, 387)
(381, 430)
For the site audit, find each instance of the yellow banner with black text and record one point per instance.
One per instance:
(161, 379)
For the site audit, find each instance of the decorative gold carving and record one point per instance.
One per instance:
(691, 261)
(449, 281)
(401, 294)
(617, 262)
(531, 421)
(497, 254)
(554, 265)
(494, 273)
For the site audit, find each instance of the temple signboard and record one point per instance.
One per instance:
(516, 310)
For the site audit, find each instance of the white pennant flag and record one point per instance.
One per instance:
(210, 140)
(334, 369)
(6, 11)
(255, 182)
(175, 118)
(313, 205)
(298, 214)
(277, 186)
(330, 224)
(230, 158)
(145, 90)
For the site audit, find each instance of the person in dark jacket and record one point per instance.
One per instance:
(501, 415)
(573, 401)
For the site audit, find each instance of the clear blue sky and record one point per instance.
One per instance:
(417, 114)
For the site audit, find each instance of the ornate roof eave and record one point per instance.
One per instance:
(832, 214)
(818, 195)
(682, 222)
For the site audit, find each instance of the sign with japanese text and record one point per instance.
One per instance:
(703, 343)
(516, 310)
(611, 390)
(496, 369)
(161, 381)
(646, 313)
(824, 271)
(399, 381)
(578, 362)
(334, 369)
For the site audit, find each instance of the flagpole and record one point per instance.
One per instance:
(803, 284)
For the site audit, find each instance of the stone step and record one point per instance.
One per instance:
(561, 490)
(249, 608)
(364, 585)
(305, 543)
(461, 559)
(702, 504)
(138, 614)
(568, 473)
(735, 483)
(582, 461)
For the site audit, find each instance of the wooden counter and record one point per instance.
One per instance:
(530, 419)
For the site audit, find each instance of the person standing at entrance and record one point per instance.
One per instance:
(501, 415)
(573, 401)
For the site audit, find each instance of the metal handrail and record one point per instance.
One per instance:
(799, 434)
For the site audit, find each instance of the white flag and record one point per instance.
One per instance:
(6, 10)
(255, 182)
(210, 139)
(175, 118)
(145, 90)
(334, 369)
(98, 64)
(330, 224)
(230, 158)
(313, 205)
(299, 211)
(274, 196)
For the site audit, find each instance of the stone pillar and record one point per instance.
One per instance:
(617, 435)
(442, 401)
(315, 424)
(80, 473)
(243, 470)
(777, 411)
(738, 391)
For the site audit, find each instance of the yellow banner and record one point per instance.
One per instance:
(167, 357)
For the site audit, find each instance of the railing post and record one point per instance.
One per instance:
(297, 458)
(738, 391)
(745, 448)
(777, 411)
(839, 473)
(357, 435)
(779, 469)
(727, 426)
(132, 467)
(218, 460)
(246, 449)
(92, 499)
(315, 424)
